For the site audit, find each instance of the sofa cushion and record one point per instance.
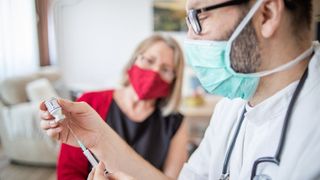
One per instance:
(12, 90)
(40, 90)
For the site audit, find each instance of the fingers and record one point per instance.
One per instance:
(91, 174)
(54, 132)
(100, 169)
(119, 176)
(43, 106)
(48, 124)
(111, 176)
(97, 173)
(46, 115)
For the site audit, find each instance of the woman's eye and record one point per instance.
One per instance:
(166, 70)
(150, 61)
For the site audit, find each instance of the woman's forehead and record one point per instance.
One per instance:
(160, 47)
(161, 51)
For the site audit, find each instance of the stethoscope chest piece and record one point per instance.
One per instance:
(262, 177)
(225, 176)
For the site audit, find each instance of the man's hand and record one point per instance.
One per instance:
(80, 119)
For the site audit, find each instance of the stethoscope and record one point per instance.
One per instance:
(275, 159)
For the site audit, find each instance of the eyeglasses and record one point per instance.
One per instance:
(166, 73)
(193, 19)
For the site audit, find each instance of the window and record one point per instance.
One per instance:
(18, 38)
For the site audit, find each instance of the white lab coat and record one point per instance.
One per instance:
(260, 133)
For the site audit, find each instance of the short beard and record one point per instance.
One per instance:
(245, 54)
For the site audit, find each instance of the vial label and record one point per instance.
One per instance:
(52, 104)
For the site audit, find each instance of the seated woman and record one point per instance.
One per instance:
(144, 112)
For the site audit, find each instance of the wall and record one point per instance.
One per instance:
(95, 39)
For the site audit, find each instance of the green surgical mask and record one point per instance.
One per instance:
(211, 62)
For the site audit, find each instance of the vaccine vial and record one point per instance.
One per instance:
(55, 109)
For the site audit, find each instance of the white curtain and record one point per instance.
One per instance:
(19, 52)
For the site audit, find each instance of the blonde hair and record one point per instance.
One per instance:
(169, 104)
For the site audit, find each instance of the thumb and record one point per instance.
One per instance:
(100, 168)
(91, 174)
(73, 107)
(119, 176)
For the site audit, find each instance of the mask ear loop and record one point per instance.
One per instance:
(288, 65)
(246, 20)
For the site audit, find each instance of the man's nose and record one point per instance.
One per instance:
(190, 33)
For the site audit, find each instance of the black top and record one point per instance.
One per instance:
(150, 138)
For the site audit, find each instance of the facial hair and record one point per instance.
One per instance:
(245, 52)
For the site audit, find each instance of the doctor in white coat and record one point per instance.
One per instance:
(259, 54)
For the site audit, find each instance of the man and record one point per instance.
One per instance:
(254, 52)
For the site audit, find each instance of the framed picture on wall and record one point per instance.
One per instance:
(169, 15)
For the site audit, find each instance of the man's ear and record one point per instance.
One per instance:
(271, 16)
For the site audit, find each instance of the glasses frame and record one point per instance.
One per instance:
(192, 15)
(166, 77)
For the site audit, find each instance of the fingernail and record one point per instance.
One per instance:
(106, 172)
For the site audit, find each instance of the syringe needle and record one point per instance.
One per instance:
(78, 141)
(86, 152)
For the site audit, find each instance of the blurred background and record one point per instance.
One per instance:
(78, 46)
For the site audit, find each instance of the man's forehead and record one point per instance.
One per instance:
(196, 4)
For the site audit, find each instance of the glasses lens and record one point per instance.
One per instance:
(193, 20)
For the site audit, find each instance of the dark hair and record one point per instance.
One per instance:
(301, 11)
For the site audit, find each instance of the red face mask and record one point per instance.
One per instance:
(147, 84)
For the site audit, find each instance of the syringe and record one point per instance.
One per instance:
(86, 151)
(55, 110)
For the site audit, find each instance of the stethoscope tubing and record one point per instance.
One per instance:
(283, 132)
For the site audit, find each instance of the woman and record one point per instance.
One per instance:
(144, 112)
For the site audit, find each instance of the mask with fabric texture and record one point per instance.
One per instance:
(147, 84)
